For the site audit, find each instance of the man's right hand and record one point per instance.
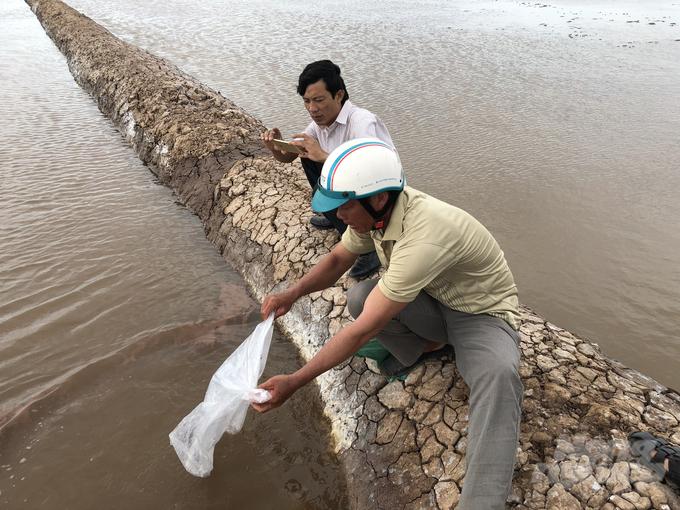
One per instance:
(282, 303)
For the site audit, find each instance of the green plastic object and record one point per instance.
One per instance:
(373, 350)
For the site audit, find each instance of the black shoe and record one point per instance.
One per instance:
(366, 264)
(321, 222)
(392, 367)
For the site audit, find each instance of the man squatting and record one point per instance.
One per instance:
(334, 121)
(447, 283)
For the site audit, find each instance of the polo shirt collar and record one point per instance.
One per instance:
(395, 226)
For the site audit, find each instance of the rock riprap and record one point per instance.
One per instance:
(402, 443)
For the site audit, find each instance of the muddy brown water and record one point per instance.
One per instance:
(555, 124)
(115, 311)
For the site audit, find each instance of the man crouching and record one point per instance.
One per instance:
(447, 284)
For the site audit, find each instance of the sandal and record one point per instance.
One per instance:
(644, 443)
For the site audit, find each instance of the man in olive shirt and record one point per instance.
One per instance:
(447, 284)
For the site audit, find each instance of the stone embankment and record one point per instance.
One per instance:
(402, 443)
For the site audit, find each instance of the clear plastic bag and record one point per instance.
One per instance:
(226, 402)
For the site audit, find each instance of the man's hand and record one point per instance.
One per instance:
(280, 302)
(268, 138)
(309, 144)
(281, 388)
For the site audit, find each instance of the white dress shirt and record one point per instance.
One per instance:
(352, 122)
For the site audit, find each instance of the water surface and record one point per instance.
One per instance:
(114, 313)
(556, 124)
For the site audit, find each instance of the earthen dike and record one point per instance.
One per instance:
(402, 444)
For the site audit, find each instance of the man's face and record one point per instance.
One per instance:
(322, 107)
(355, 216)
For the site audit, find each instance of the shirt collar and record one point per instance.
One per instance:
(341, 118)
(395, 226)
(344, 113)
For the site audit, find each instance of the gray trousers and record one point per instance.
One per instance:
(487, 356)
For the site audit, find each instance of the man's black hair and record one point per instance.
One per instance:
(323, 70)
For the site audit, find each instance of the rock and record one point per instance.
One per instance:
(602, 474)
(558, 498)
(540, 482)
(454, 465)
(545, 363)
(664, 403)
(408, 474)
(586, 489)
(565, 446)
(618, 481)
(388, 426)
(639, 473)
(516, 496)
(448, 495)
(430, 449)
(586, 372)
(395, 397)
(587, 350)
(445, 435)
(555, 394)
(415, 376)
(535, 500)
(659, 419)
(573, 472)
(654, 492)
(600, 416)
(639, 502)
(621, 503)
(434, 388)
(373, 410)
(434, 468)
(420, 410)
(561, 355)
(434, 415)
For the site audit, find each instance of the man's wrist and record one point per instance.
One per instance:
(293, 294)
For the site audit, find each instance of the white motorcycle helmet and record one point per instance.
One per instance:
(355, 170)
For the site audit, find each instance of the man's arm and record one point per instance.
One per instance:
(268, 138)
(323, 275)
(378, 311)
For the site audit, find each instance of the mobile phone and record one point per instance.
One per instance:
(286, 146)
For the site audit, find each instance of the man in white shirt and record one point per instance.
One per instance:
(335, 120)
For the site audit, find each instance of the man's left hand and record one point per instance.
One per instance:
(309, 144)
(281, 388)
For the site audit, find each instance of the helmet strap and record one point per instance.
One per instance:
(379, 215)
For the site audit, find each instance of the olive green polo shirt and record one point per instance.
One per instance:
(433, 246)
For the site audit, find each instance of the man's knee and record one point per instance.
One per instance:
(357, 295)
(500, 378)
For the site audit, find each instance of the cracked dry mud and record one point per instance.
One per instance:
(402, 443)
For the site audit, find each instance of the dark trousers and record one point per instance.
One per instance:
(313, 172)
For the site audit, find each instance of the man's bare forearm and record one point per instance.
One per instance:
(378, 311)
(339, 348)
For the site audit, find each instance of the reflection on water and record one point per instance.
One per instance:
(115, 311)
(106, 445)
(555, 124)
